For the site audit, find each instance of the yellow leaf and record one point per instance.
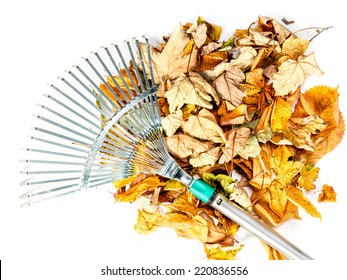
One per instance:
(183, 146)
(280, 115)
(213, 31)
(327, 195)
(292, 73)
(146, 222)
(278, 200)
(227, 85)
(273, 254)
(172, 122)
(217, 252)
(187, 204)
(189, 227)
(136, 190)
(174, 185)
(296, 196)
(202, 127)
(123, 182)
(308, 175)
(191, 89)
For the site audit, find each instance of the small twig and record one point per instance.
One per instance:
(319, 30)
(287, 22)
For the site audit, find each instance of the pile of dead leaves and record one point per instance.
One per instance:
(235, 108)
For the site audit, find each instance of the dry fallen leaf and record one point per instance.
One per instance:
(292, 73)
(327, 195)
(190, 89)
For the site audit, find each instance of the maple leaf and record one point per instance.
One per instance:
(203, 127)
(183, 146)
(171, 61)
(292, 73)
(190, 89)
(327, 195)
(172, 122)
(308, 175)
(227, 85)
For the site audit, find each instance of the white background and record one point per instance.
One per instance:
(75, 237)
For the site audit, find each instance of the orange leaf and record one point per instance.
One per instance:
(328, 194)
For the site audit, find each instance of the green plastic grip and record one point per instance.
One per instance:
(202, 190)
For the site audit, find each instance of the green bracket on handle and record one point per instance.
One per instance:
(202, 190)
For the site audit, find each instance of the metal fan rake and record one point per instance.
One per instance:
(73, 150)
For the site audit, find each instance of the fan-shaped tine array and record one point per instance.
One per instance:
(99, 122)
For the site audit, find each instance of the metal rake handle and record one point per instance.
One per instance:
(208, 194)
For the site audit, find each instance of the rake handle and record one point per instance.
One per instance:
(207, 194)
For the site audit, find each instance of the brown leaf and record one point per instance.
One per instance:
(227, 86)
(171, 61)
(236, 140)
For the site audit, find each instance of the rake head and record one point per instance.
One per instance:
(100, 123)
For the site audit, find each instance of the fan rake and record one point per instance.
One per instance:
(73, 150)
